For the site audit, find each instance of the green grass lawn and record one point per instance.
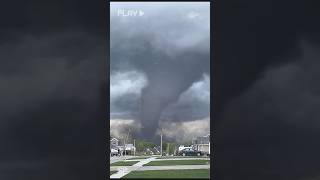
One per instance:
(172, 157)
(177, 162)
(140, 157)
(112, 172)
(124, 163)
(185, 173)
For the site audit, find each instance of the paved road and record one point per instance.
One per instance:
(146, 168)
(181, 159)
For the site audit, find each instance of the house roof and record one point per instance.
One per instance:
(202, 140)
(114, 139)
(129, 145)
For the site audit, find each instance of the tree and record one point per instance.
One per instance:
(164, 146)
(142, 145)
(168, 147)
(172, 148)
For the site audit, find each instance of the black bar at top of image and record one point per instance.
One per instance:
(161, 1)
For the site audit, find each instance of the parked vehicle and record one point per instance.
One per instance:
(182, 147)
(190, 152)
(114, 152)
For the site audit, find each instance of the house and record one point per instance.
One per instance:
(202, 144)
(130, 147)
(117, 145)
(114, 142)
(127, 149)
(156, 150)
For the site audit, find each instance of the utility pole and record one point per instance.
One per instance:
(161, 143)
(124, 147)
(134, 145)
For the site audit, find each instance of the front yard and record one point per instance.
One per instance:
(124, 163)
(190, 173)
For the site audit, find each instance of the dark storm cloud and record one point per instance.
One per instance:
(125, 93)
(194, 103)
(31, 60)
(172, 52)
(276, 118)
(39, 85)
(52, 76)
(266, 113)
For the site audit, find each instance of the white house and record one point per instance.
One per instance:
(116, 145)
(202, 144)
(130, 147)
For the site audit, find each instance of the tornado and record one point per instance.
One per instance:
(167, 81)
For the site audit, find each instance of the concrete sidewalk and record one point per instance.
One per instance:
(124, 170)
(146, 168)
